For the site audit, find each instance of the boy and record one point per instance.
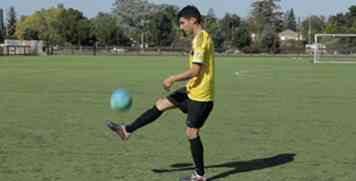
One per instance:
(195, 99)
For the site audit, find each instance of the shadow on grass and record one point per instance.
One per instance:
(235, 166)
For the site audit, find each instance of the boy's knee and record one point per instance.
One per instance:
(162, 104)
(192, 133)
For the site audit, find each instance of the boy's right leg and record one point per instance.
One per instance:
(147, 117)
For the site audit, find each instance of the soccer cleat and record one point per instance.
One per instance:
(119, 129)
(194, 177)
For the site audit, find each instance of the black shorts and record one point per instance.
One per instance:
(198, 112)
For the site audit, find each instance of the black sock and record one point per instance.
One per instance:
(197, 150)
(148, 117)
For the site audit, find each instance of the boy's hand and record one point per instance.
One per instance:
(167, 83)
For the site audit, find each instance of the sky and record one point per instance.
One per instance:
(90, 8)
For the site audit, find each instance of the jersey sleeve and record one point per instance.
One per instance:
(199, 49)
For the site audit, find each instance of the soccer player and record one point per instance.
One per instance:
(195, 99)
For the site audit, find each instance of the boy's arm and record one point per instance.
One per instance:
(190, 73)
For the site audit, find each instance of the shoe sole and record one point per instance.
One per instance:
(187, 178)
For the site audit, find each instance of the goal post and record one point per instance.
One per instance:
(335, 48)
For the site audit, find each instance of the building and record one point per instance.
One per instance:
(290, 35)
(22, 47)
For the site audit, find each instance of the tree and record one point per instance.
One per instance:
(210, 21)
(270, 41)
(331, 27)
(291, 21)
(133, 16)
(228, 25)
(313, 25)
(211, 13)
(74, 25)
(84, 32)
(105, 28)
(2, 26)
(25, 29)
(342, 22)
(53, 19)
(43, 25)
(11, 22)
(266, 12)
(211, 25)
(161, 28)
(242, 37)
(219, 40)
(171, 11)
(266, 20)
(56, 26)
(353, 27)
(352, 11)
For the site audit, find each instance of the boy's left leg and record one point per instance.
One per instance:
(197, 150)
(198, 112)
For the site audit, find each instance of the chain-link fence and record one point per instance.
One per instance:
(113, 51)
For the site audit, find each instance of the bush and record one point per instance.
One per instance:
(251, 49)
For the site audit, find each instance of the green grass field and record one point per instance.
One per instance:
(53, 109)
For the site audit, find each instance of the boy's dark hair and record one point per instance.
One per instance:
(190, 12)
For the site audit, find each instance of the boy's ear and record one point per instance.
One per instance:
(184, 33)
(195, 20)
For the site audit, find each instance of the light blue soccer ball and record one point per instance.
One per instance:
(120, 100)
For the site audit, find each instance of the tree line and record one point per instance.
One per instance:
(141, 23)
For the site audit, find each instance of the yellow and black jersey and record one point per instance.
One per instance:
(201, 88)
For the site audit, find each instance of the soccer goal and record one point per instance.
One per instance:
(335, 48)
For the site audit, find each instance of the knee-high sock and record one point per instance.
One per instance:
(146, 118)
(197, 150)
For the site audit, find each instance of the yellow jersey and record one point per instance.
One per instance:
(201, 87)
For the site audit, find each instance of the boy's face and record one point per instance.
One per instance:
(186, 24)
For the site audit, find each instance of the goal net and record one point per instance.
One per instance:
(335, 48)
